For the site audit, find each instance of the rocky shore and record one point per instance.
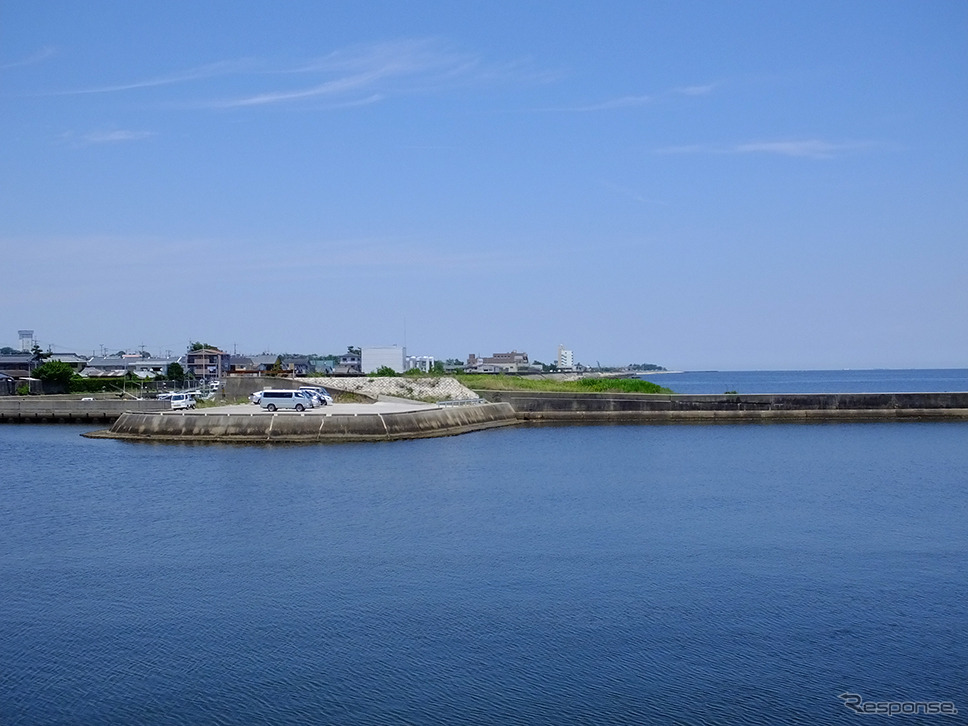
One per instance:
(418, 389)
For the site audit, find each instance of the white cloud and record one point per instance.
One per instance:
(695, 90)
(39, 57)
(617, 103)
(209, 70)
(808, 148)
(369, 73)
(113, 137)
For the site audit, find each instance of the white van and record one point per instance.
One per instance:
(273, 399)
(182, 400)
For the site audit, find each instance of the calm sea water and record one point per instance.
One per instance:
(845, 381)
(744, 574)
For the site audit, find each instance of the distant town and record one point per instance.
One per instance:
(206, 361)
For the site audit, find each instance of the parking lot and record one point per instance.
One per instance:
(343, 409)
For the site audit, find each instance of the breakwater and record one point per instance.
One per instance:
(71, 409)
(554, 407)
(292, 427)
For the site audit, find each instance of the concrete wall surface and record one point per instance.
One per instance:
(48, 409)
(304, 427)
(588, 407)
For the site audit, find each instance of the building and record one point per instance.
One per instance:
(8, 385)
(207, 362)
(27, 342)
(566, 359)
(78, 363)
(18, 365)
(242, 365)
(423, 363)
(118, 366)
(349, 364)
(513, 362)
(389, 356)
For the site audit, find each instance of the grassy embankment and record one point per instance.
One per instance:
(482, 382)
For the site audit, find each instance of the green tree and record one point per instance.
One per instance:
(201, 346)
(174, 371)
(384, 371)
(55, 374)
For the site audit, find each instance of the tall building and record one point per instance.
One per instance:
(390, 356)
(566, 359)
(26, 340)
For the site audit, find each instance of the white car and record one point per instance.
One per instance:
(182, 400)
(319, 395)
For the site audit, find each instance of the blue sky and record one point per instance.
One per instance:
(695, 184)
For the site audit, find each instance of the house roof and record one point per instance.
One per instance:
(16, 358)
(68, 358)
(264, 360)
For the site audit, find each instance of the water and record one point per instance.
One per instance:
(742, 574)
(845, 381)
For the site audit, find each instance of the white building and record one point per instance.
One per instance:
(424, 363)
(566, 359)
(26, 340)
(391, 356)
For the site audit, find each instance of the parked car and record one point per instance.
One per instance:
(321, 395)
(274, 399)
(256, 397)
(182, 400)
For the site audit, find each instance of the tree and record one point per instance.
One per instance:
(202, 346)
(384, 371)
(55, 374)
(7, 350)
(175, 372)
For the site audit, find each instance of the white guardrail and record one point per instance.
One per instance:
(462, 402)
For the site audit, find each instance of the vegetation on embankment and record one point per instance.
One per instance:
(491, 382)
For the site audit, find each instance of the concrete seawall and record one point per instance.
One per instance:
(292, 427)
(551, 407)
(70, 409)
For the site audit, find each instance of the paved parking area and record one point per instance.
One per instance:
(344, 409)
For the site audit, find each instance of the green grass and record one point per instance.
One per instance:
(485, 382)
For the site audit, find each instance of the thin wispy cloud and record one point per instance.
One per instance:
(39, 57)
(374, 72)
(638, 100)
(805, 148)
(617, 103)
(210, 70)
(695, 90)
(353, 76)
(114, 136)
